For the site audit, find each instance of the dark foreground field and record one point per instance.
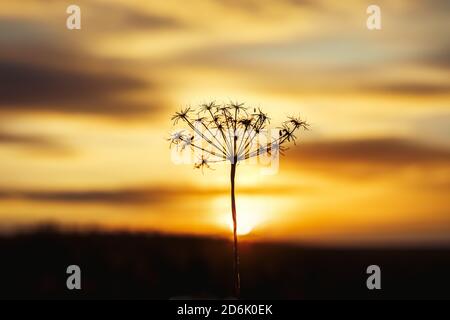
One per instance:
(122, 265)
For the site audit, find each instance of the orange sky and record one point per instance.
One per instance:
(84, 115)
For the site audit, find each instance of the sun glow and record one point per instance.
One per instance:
(245, 226)
(251, 212)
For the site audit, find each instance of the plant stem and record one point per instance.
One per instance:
(237, 280)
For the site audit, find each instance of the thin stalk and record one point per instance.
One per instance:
(237, 279)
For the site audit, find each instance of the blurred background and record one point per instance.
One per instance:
(84, 115)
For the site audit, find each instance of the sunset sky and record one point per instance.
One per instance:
(84, 116)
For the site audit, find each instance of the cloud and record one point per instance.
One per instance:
(43, 70)
(26, 87)
(11, 138)
(140, 20)
(349, 64)
(438, 57)
(256, 6)
(110, 17)
(33, 142)
(124, 196)
(383, 152)
(129, 196)
(92, 196)
(410, 88)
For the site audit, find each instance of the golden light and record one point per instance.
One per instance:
(245, 226)
(252, 211)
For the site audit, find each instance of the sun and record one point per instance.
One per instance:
(251, 213)
(245, 226)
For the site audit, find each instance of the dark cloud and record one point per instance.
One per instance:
(43, 70)
(37, 43)
(253, 6)
(25, 87)
(305, 3)
(370, 152)
(130, 196)
(441, 6)
(110, 17)
(438, 58)
(126, 196)
(147, 21)
(410, 88)
(256, 6)
(12, 138)
(96, 16)
(33, 142)
(121, 196)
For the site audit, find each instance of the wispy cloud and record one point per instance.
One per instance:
(131, 196)
(395, 152)
(31, 143)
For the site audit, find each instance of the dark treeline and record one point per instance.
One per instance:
(149, 266)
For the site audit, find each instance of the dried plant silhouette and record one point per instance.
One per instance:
(229, 132)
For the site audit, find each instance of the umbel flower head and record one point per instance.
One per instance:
(230, 132)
